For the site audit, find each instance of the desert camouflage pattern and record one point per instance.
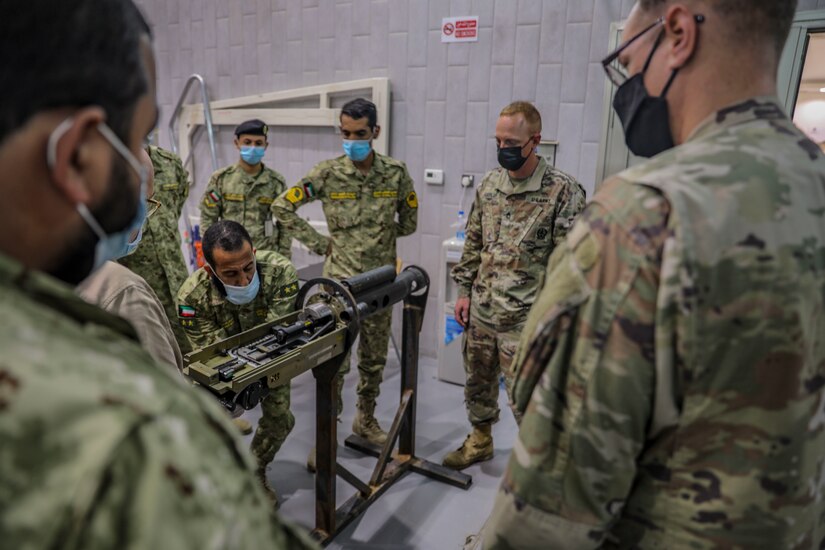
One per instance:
(159, 259)
(232, 194)
(672, 377)
(208, 317)
(104, 448)
(511, 231)
(365, 215)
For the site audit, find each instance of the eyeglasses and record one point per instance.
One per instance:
(152, 207)
(615, 71)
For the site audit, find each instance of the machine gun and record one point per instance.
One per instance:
(241, 369)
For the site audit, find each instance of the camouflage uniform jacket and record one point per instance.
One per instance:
(673, 375)
(159, 259)
(360, 211)
(104, 448)
(232, 194)
(510, 234)
(208, 317)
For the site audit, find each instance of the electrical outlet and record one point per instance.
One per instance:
(467, 180)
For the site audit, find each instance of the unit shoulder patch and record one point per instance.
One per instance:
(412, 200)
(295, 195)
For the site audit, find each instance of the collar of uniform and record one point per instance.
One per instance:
(57, 295)
(237, 167)
(754, 108)
(377, 164)
(505, 184)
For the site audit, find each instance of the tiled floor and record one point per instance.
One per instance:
(416, 513)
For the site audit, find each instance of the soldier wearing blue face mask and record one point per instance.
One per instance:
(238, 289)
(244, 191)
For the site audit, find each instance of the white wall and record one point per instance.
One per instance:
(445, 98)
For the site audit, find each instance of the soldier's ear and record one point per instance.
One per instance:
(208, 269)
(237, 143)
(376, 132)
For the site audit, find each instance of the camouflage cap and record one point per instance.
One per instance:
(254, 127)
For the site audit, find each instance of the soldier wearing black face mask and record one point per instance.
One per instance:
(521, 212)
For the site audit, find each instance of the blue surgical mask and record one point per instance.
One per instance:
(252, 154)
(357, 149)
(241, 295)
(115, 245)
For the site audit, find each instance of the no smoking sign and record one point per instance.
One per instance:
(459, 29)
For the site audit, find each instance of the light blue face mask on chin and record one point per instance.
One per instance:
(120, 243)
(241, 295)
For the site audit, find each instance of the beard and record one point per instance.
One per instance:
(115, 212)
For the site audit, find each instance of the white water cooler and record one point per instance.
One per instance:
(450, 362)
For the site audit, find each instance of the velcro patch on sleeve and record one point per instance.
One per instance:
(412, 200)
(295, 195)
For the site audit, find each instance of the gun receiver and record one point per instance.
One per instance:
(240, 369)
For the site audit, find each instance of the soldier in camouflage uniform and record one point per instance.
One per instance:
(521, 212)
(673, 375)
(361, 192)
(101, 446)
(239, 289)
(159, 259)
(243, 192)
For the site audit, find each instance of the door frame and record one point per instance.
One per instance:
(613, 153)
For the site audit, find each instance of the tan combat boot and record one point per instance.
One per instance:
(270, 492)
(243, 425)
(365, 425)
(477, 447)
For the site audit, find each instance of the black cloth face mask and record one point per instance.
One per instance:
(510, 157)
(646, 119)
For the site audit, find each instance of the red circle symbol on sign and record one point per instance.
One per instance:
(449, 28)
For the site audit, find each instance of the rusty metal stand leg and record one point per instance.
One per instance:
(412, 321)
(326, 443)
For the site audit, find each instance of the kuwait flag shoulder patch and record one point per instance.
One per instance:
(186, 312)
(309, 191)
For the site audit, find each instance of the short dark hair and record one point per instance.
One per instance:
(226, 235)
(359, 108)
(749, 21)
(56, 53)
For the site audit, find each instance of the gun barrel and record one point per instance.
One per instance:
(365, 282)
(388, 294)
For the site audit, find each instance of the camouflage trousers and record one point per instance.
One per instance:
(275, 424)
(372, 356)
(488, 353)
